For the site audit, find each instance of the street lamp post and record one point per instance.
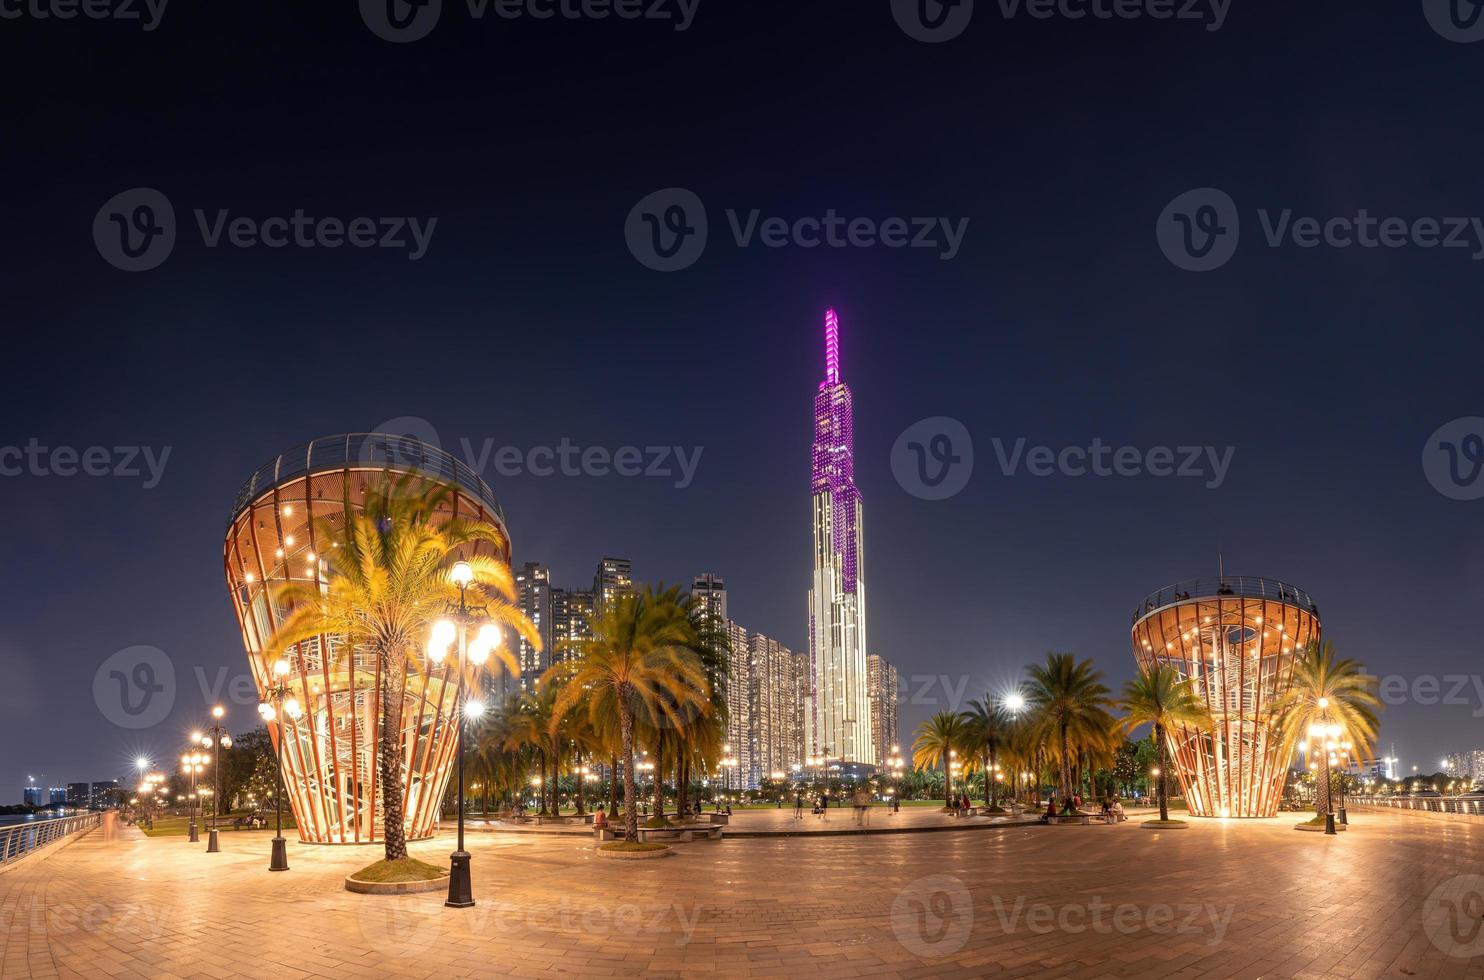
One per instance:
(279, 703)
(896, 777)
(192, 764)
(728, 763)
(486, 639)
(216, 741)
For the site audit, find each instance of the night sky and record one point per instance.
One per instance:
(528, 321)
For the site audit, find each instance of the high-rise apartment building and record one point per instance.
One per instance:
(614, 577)
(711, 592)
(837, 718)
(533, 595)
(882, 689)
(739, 710)
(79, 795)
(777, 713)
(571, 622)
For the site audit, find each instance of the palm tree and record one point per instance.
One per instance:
(641, 656)
(1072, 704)
(1333, 701)
(386, 580)
(1160, 697)
(986, 726)
(938, 741)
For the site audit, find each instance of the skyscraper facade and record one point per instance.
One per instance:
(881, 689)
(533, 594)
(777, 741)
(614, 577)
(571, 622)
(739, 710)
(837, 718)
(711, 592)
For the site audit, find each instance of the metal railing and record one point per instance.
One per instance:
(1468, 806)
(19, 840)
(1225, 587)
(365, 450)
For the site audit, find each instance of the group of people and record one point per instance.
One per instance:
(1112, 811)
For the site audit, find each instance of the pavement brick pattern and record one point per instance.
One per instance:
(1393, 897)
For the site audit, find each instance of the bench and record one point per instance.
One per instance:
(1085, 819)
(646, 834)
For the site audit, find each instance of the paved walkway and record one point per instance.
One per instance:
(782, 823)
(1223, 899)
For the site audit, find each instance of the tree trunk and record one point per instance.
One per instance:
(659, 777)
(1066, 766)
(577, 775)
(682, 784)
(1164, 770)
(390, 759)
(994, 763)
(545, 781)
(613, 784)
(626, 728)
(947, 785)
(1321, 784)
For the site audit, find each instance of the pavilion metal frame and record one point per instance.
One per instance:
(331, 751)
(1236, 639)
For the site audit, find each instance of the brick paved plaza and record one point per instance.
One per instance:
(1221, 899)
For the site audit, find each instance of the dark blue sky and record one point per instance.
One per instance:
(529, 321)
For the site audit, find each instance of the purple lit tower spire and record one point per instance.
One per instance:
(837, 718)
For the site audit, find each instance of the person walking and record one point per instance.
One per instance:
(798, 804)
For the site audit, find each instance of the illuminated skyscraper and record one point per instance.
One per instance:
(533, 592)
(571, 622)
(777, 744)
(881, 686)
(837, 717)
(711, 593)
(614, 577)
(739, 709)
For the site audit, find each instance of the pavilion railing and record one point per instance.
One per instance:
(20, 840)
(1226, 587)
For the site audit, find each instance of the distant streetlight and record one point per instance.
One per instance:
(218, 739)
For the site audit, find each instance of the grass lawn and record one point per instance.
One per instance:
(180, 826)
(407, 869)
(623, 845)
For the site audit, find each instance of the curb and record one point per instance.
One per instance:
(634, 855)
(394, 887)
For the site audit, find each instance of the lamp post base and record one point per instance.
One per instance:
(213, 845)
(195, 834)
(1329, 824)
(460, 889)
(280, 861)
